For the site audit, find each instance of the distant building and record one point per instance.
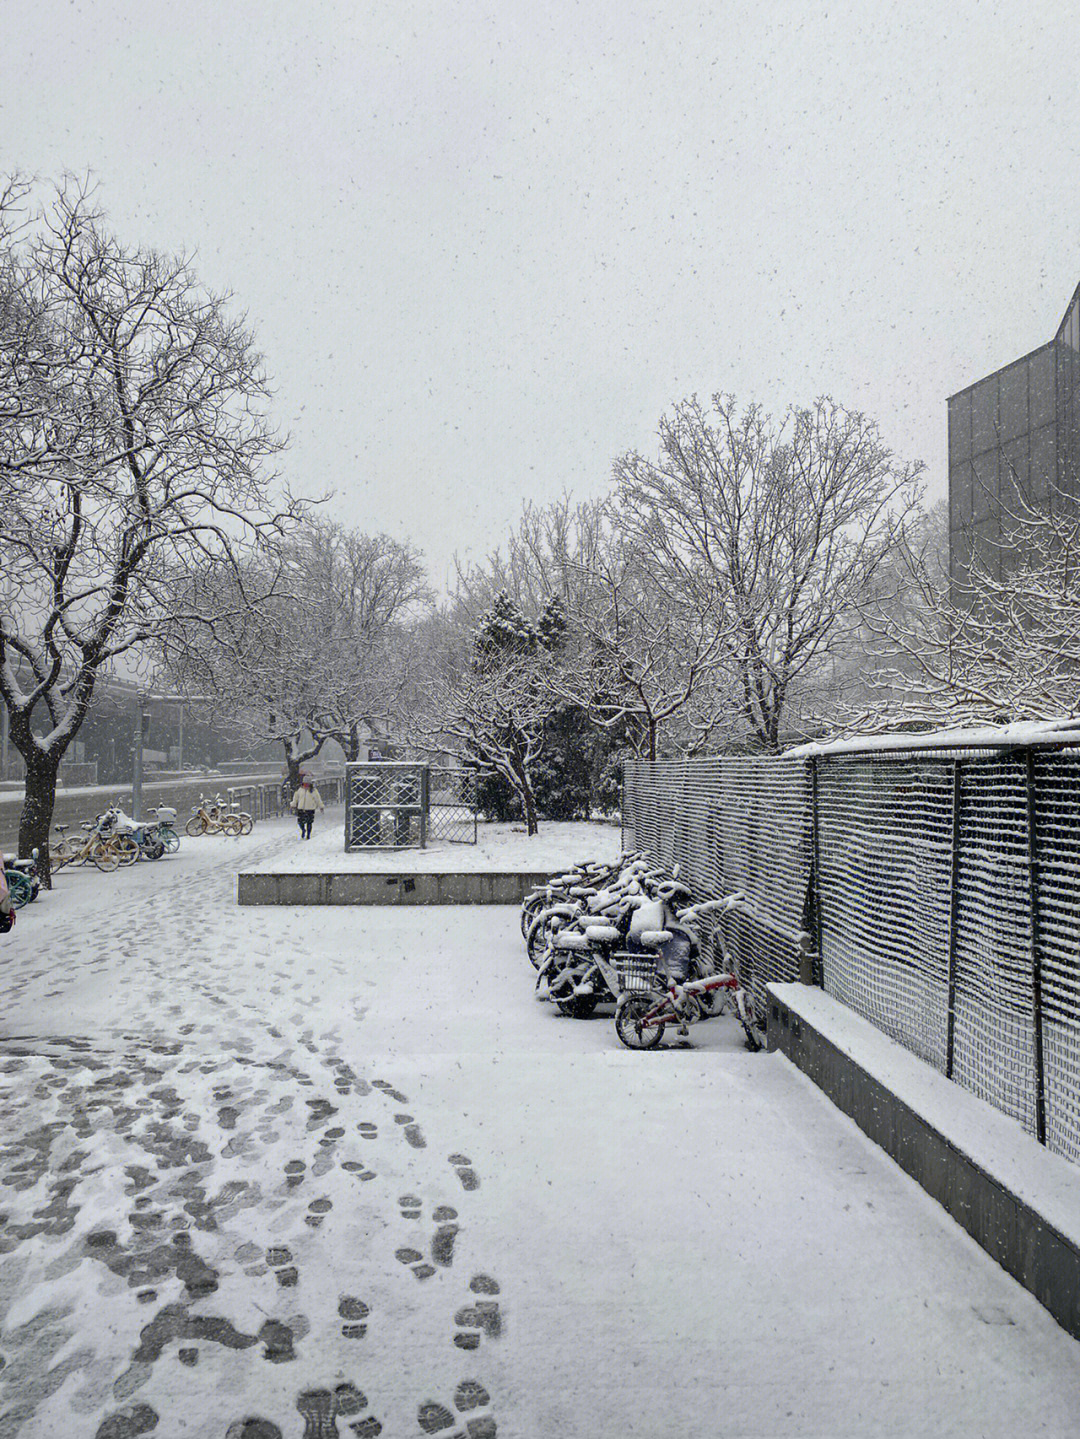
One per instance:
(1014, 442)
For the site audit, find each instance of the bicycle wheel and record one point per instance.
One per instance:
(541, 932)
(247, 824)
(170, 839)
(231, 826)
(196, 825)
(126, 848)
(529, 910)
(20, 887)
(753, 1027)
(105, 856)
(580, 1006)
(61, 853)
(628, 1017)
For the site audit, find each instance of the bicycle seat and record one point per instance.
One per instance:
(579, 891)
(60, 827)
(601, 933)
(570, 939)
(654, 938)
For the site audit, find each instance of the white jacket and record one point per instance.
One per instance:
(307, 799)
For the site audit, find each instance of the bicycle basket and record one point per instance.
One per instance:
(637, 972)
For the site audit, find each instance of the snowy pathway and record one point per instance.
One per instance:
(313, 1173)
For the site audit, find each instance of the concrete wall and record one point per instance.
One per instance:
(1023, 1242)
(462, 888)
(73, 806)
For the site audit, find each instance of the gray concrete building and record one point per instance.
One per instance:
(1014, 446)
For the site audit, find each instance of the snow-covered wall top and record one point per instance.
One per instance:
(1025, 732)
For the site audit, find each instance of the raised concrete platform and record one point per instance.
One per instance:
(501, 868)
(411, 887)
(1016, 1199)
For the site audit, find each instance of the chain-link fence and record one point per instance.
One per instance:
(942, 890)
(452, 809)
(733, 824)
(386, 805)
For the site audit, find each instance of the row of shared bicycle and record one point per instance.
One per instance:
(114, 839)
(628, 935)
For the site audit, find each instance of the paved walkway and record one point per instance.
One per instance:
(294, 1173)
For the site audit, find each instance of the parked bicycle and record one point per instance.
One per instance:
(218, 809)
(211, 820)
(580, 969)
(651, 1000)
(164, 820)
(89, 847)
(23, 879)
(133, 841)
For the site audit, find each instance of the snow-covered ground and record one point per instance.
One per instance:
(498, 847)
(311, 1173)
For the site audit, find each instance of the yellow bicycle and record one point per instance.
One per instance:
(207, 821)
(78, 849)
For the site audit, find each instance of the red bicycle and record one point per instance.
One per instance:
(650, 1002)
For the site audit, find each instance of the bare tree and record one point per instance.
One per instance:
(133, 441)
(645, 658)
(326, 655)
(774, 530)
(487, 694)
(364, 591)
(552, 552)
(493, 717)
(1003, 647)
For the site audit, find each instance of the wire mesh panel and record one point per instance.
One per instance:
(385, 805)
(732, 823)
(452, 812)
(948, 894)
(994, 1052)
(1057, 794)
(885, 861)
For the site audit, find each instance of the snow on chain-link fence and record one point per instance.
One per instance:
(394, 804)
(733, 824)
(941, 889)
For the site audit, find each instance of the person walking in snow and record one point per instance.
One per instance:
(305, 802)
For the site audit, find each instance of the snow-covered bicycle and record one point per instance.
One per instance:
(650, 1000)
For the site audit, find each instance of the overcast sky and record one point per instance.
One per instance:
(484, 247)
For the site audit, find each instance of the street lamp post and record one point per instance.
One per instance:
(142, 699)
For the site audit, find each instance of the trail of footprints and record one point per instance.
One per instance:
(442, 1241)
(322, 1408)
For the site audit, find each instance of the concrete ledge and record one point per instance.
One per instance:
(503, 887)
(1017, 1200)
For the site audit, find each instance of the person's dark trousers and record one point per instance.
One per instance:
(305, 818)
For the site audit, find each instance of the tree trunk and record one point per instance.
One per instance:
(35, 822)
(528, 799)
(350, 743)
(295, 759)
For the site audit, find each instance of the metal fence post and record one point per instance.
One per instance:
(954, 906)
(1036, 966)
(817, 962)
